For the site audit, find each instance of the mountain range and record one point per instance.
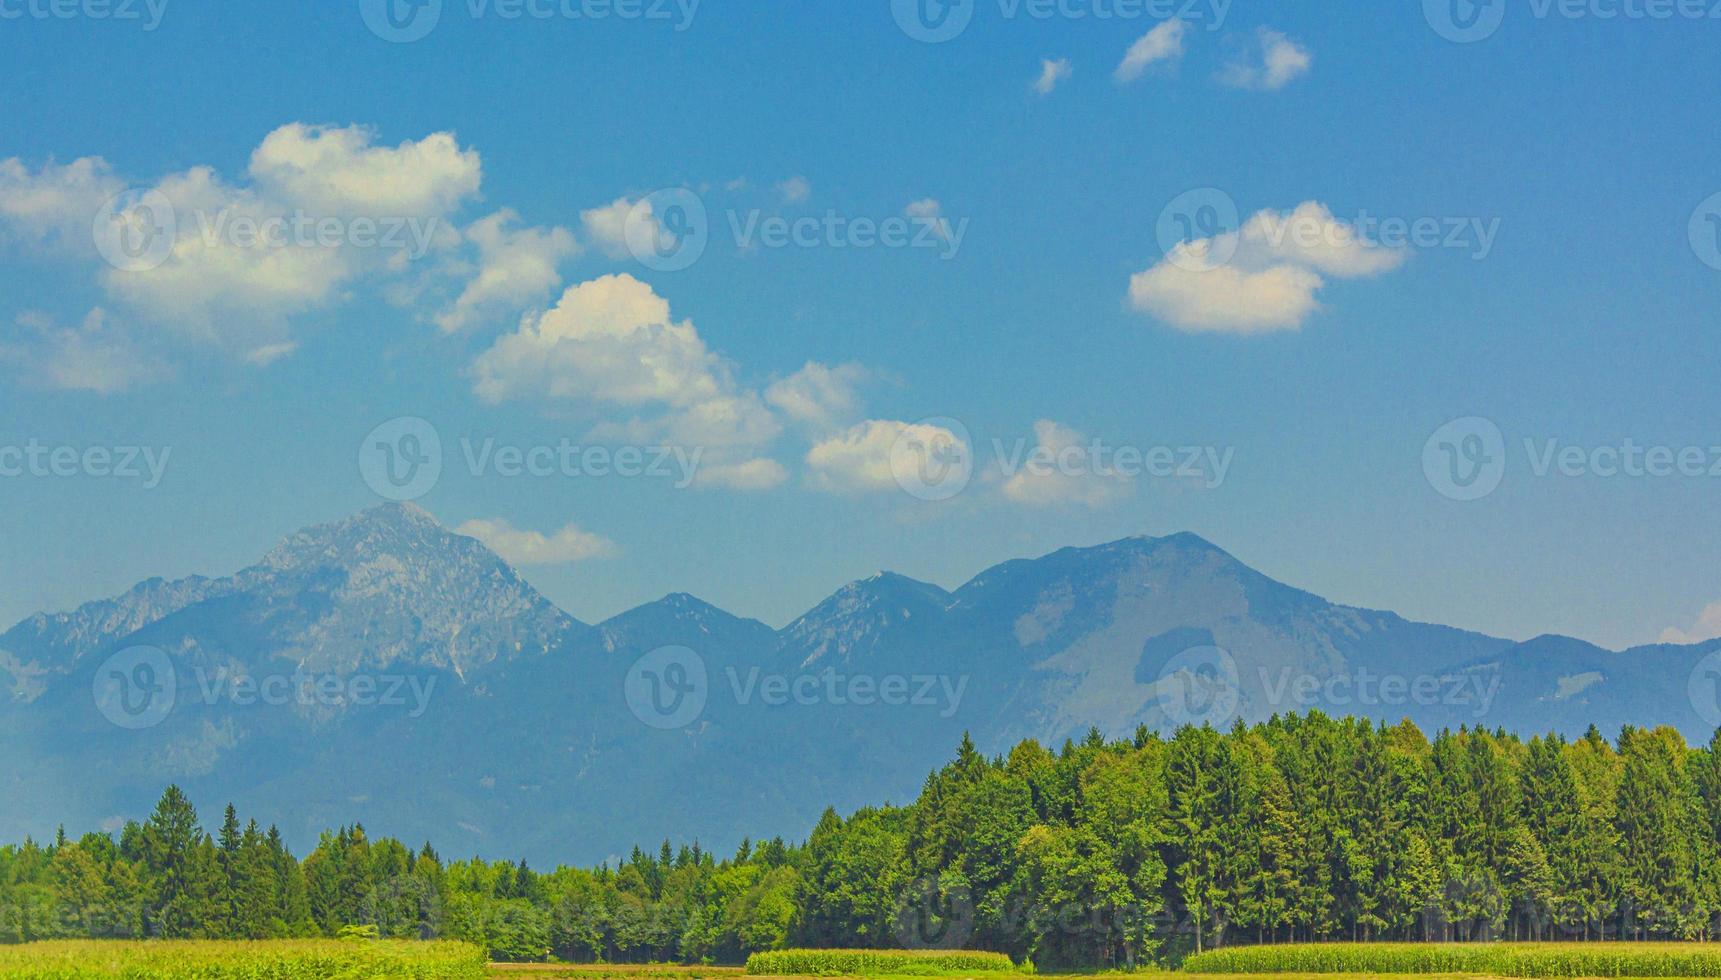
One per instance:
(383, 669)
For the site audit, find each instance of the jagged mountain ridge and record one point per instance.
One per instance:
(528, 745)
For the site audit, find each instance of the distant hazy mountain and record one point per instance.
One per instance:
(384, 669)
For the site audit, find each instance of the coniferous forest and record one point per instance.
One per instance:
(1305, 828)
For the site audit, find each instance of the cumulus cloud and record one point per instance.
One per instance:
(516, 267)
(751, 474)
(1272, 62)
(319, 208)
(606, 227)
(1052, 71)
(1707, 627)
(870, 456)
(526, 547)
(611, 343)
(1264, 277)
(1061, 468)
(1162, 44)
(818, 395)
(97, 355)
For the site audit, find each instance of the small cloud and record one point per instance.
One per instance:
(1060, 470)
(818, 395)
(516, 267)
(928, 210)
(1263, 278)
(270, 353)
(1707, 627)
(1273, 62)
(867, 457)
(607, 227)
(1162, 44)
(97, 355)
(518, 547)
(795, 190)
(1052, 71)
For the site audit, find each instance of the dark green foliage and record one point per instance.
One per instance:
(1103, 854)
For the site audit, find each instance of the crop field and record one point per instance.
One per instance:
(1475, 959)
(287, 960)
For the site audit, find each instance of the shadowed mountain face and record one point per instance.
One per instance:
(383, 669)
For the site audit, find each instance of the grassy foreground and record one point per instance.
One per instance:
(1482, 959)
(287, 960)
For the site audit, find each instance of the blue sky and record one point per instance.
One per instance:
(1037, 302)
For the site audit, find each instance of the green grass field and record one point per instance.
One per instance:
(293, 960)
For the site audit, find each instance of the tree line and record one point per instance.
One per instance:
(1302, 828)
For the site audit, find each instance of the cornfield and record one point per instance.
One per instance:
(874, 963)
(1496, 959)
(287, 960)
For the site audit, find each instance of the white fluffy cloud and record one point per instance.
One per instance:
(1162, 44)
(1272, 62)
(97, 355)
(818, 395)
(1061, 469)
(525, 547)
(1707, 627)
(516, 267)
(1052, 71)
(607, 226)
(337, 171)
(321, 207)
(611, 343)
(868, 457)
(1265, 277)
